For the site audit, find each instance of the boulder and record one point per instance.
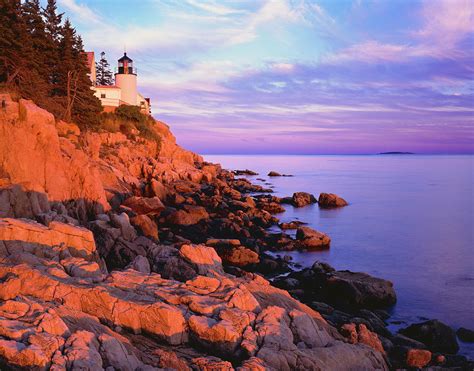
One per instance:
(273, 173)
(140, 264)
(344, 289)
(189, 215)
(309, 238)
(418, 358)
(331, 200)
(239, 256)
(359, 290)
(203, 258)
(361, 334)
(145, 205)
(300, 199)
(437, 336)
(146, 226)
(122, 221)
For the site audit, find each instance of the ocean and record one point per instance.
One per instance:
(410, 220)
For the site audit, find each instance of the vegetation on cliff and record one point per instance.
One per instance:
(41, 57)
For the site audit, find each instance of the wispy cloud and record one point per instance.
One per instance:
(300, 75)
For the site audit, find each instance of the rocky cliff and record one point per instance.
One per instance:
(121, 253)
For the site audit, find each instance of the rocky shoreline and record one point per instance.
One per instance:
(119, 253)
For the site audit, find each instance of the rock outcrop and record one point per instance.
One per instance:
(43, 161)
(52, 317)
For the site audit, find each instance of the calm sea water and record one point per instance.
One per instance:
(410, 220)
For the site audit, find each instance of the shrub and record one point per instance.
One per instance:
(126, 119)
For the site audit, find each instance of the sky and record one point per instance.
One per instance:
(297, 76)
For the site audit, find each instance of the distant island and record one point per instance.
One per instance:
(396, 153)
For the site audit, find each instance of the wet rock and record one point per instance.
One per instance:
(273, 173)
(291, 225)
(465, 334)
(300, 199)
(244, 172)
(331, 200)
(344, 289)
(437, 336)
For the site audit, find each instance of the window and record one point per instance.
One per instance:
(102, 95)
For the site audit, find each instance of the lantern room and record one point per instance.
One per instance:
(125, 65)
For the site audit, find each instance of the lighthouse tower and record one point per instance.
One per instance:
(126, 80)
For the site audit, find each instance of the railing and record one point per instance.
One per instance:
(123, 70)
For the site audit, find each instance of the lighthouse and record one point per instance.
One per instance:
(126, 80)
(124, 92)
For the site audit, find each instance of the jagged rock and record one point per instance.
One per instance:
(203, 258)
(16, 202)
(145, 205)
(146, 226)
(47, 163)
(140, 264)
(122, 221)
(360, 334)
(20, 235)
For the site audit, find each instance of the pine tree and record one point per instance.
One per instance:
(74, 84)
(45, 61)
(12, 37)
(52, 20)
(103, 73)
(34, 58)
(52, 29)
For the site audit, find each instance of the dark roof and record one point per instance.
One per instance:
(125, 58)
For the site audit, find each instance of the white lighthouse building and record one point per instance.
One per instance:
(126, 80)
(125, 89)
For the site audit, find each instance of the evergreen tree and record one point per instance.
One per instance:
(35, 59)
(13, 37)
(103, 73)
(45, 61)
(52, 30)
(52, 20)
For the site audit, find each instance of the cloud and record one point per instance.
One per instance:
(213, 7)
(445, 24)
(446, 21)
(81, 11)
